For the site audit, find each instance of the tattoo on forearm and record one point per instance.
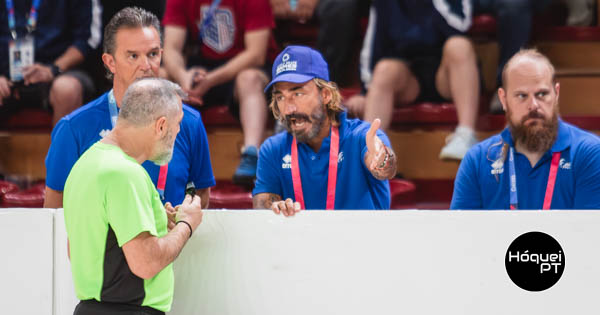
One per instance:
(264, 200)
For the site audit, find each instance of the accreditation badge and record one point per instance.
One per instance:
(20, 52)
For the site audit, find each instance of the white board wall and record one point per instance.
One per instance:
(342, 262)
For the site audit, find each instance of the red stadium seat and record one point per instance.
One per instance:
(30, 198)
(7, 187)
(229, 196)
(403, 194)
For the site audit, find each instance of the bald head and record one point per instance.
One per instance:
(524, 60)
(148, 99)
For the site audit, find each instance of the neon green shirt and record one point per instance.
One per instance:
(108, 200)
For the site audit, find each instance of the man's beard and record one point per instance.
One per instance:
(537, 137)
(164, 156)
(317, 119)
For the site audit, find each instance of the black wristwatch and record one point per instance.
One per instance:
(55, 70)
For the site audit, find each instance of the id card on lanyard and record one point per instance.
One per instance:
(514, 202)
(21, 50)
(164, 169)
(332, 178)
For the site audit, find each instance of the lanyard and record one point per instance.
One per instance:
(549, 187)
(162, 174)
(208, 18)
(31, 21)
(333, 164)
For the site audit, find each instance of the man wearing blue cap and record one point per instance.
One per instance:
(301, 168)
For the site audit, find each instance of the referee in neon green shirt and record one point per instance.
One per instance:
(122, 240)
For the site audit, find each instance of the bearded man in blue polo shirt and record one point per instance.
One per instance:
(324, 160)
(538, 161)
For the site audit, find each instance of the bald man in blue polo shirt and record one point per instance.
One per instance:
(324, 160)
(538, 161)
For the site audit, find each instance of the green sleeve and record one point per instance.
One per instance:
(128, 201)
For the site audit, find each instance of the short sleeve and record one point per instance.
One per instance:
(467, 191)
(268, 179)
(201, 167)
(587, 184)
(175, 13)
(258, 15)
(129, 204)
(62, 155)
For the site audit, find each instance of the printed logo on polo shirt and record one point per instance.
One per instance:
(104, 132)
(220, 33)
(286, 65)
(535, 261)
(564, 165)
(340, 157)
(498, 167)
(287, 162)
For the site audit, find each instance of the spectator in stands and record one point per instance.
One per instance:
(554, 164)
(318, 133)
(132, 49)
(234, 39)
(514, 20)
(51, 38)
(414, 51)
(121, 241)
(338, 24)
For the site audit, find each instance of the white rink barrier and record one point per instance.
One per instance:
(328, 262)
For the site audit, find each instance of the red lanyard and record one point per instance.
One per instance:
(162, 180)
(551, 182)
(331, 181)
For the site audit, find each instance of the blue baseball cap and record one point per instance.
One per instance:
(298, 64)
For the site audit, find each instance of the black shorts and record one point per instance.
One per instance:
(93, 307)
(223, 94)
(36, 95)
(425, 68)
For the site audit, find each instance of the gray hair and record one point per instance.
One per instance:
(148, 99)
(130, 17)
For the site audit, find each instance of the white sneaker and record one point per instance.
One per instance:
(580, 12)
(458, 143)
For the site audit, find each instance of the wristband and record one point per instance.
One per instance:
(181, 221)
(55, 70)
(385, 160)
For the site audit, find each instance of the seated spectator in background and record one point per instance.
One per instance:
(414, 51)
(51, 37)
(121, 241)
(338, 24)
(132, 49)
(555, 165)
(234, 38)
(514, 20)
(299, 161)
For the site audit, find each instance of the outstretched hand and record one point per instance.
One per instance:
(375, 146)
(379, 159)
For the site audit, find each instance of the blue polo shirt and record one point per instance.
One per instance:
(78, 131)
(356, 187)
(482, 184)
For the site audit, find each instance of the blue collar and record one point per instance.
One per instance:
(562, 142)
